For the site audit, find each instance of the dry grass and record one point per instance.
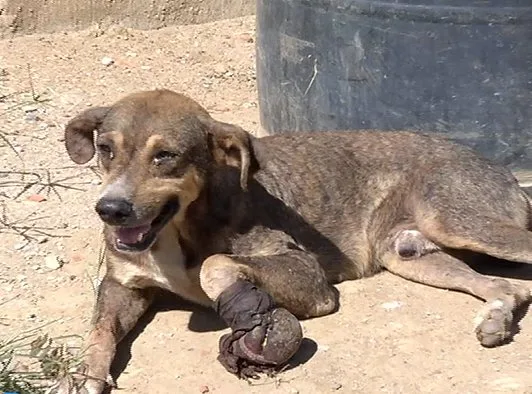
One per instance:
(32, 362)
(35, 363)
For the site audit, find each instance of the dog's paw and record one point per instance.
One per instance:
(274, 342)
(80, 385)
(93, 386)
(269, 345)
(493, 323)
(263, 337)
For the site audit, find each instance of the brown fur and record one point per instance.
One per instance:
(294, 213)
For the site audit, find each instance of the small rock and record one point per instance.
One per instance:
(77, 257)
(42, 240)
(53, 262)
(32, 116)
(131, 54)
(30, 108)
(204, 389)
(432, 315)
(294, 391)
(146, 68)
(395, 325)
(506, 383)
(107, 61)
(246, 37)
(37, 198)
(21, 278)
(96, 283)
(220, 69)
(32, 316)
(96, 182)
(21, 245)
(391, 305)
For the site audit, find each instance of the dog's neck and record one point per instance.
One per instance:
(213, 218)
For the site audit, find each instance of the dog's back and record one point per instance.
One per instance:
(375, 179)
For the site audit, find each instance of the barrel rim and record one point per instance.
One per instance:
(459, 15)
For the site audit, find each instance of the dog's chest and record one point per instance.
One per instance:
(165, 268)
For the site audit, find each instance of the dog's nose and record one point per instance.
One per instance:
(114, 211)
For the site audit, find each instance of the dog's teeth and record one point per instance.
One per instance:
(140, 236)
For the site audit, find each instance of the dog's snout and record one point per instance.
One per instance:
(114, 211)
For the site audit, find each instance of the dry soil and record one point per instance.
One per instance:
(389, 336)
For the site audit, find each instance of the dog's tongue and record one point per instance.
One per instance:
(132, 235)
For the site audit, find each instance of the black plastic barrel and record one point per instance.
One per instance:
(461, 68)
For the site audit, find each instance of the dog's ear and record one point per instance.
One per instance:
(230, 145)
(79, 134)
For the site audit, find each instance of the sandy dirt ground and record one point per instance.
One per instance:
(389, 336)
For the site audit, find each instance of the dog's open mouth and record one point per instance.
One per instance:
(140, 238)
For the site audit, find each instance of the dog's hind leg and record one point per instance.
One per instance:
(411, 255)
(259, 297)
(491, 236)
(117, 311)
(491, 216)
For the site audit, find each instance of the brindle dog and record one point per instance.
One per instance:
(261, 228)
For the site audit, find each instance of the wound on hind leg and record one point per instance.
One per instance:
(411, 244)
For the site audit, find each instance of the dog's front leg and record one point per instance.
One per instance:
(260, 298)
(117, 311)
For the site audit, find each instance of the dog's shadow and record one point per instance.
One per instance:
(505, 269)
(201, 320)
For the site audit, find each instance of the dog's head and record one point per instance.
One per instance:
(156, 150)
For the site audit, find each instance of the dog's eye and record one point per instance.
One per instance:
(163, 156)
(105, 150)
